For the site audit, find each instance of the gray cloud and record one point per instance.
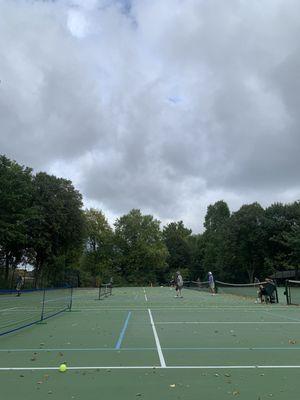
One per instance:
(165, 106)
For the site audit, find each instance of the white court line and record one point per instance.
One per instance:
(282, 316)
(133, 349)
(155, 367)
(8, 309)
(187, 309)
(112, 349)
(230, 348)
(146, 298)
(227, 322)
(51, 300)
(238, 309)
(160, 353)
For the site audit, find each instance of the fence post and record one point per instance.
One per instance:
(71, 299)
(43, 305)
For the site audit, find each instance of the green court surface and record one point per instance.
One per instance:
(142, 343)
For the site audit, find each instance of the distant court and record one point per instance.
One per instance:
(144, 343)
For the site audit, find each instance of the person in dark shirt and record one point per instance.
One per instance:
(19, 285)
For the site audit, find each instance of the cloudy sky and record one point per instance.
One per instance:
(162, 105)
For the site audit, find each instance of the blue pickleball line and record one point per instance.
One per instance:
(122, 334)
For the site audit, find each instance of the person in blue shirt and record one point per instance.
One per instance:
(211, 283)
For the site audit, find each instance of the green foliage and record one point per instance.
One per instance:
(57, 227)
(215, 254)
(217, 216)
(176, 237)
(196, 245)
(140, 253)
(97, 259)
(281, 225)
(16, 191)
(42, 223)
(247, 241)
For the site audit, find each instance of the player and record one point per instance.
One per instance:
(19, 285)
(179, 284)
(211, 283)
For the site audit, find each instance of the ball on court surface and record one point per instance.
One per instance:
(62, 368)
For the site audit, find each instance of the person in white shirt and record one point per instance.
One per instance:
(211, 283)
(179, 284)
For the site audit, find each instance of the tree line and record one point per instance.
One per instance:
(43, 224)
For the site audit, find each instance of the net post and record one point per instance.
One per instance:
(287, 292)
(276, 295)
(43, 305)
(216, 287)
(71, 299)
(99, 292)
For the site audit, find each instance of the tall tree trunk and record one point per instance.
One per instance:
(12, 278)
(250, 274)
(37, 274)
(6, 274)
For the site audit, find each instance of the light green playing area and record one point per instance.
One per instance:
(142, 343)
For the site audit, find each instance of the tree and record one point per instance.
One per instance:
(98, 255)
(56, 231)
(247, 242)
(215, 238)
(176, 237)
(282, 221)
(196, 245)
(140, 253)
(217, 216)
(16, 192)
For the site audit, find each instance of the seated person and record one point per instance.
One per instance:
(266, 291)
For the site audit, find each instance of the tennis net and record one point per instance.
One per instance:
(31, 307)
(292, 292)
(105, 290)
(248, 289)
(197, 285)
(239, 289)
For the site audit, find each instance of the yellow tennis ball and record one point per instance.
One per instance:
(62, 368)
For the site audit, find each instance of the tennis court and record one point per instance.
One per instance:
(144, 343)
